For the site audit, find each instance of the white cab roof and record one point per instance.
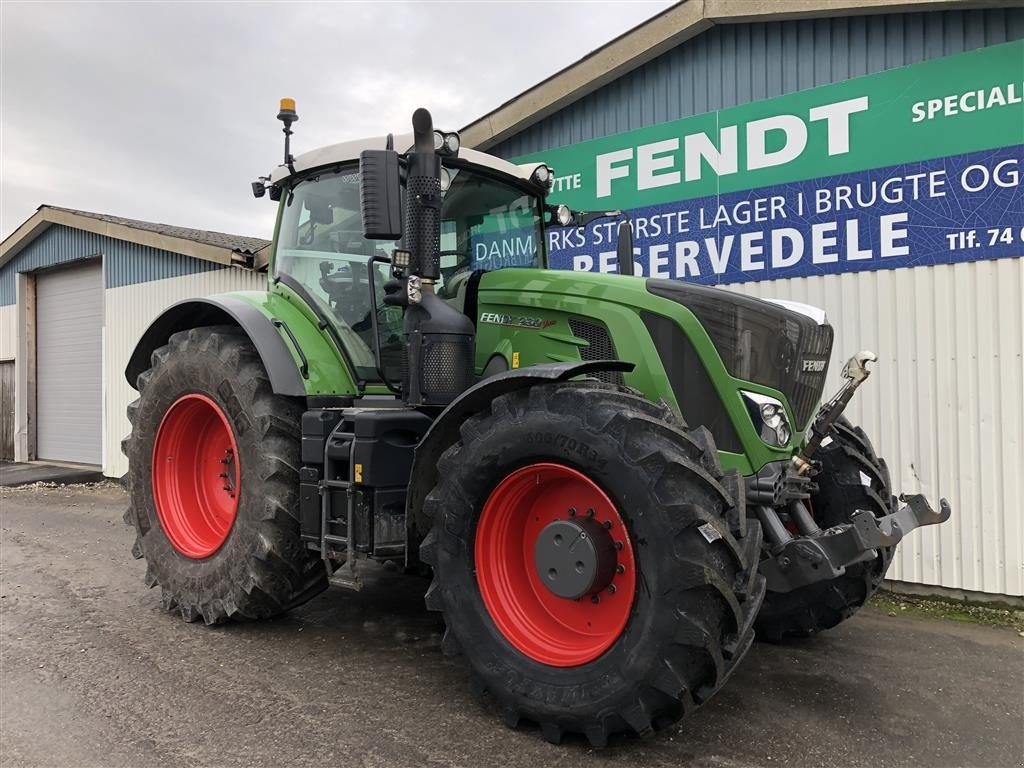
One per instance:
(348, 151)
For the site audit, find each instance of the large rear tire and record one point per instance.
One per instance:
(213, 482)
(852, 477)
(670, 607)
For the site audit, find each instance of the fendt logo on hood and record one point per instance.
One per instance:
(813, 366)
(515, 321)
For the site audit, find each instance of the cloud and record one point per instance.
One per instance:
(165, 111)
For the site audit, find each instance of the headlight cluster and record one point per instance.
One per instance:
(446, 143)
(544, 176)
(769, 415)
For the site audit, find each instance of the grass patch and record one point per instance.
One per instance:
(952, 610)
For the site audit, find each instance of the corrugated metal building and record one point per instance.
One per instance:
(945, 405)
(77, 290)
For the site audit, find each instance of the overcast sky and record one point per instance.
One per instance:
(166, 112)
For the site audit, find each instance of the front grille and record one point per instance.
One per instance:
(759, 341)
(599, 346)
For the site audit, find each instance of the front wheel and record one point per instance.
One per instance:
(213, 482)
(589, 560)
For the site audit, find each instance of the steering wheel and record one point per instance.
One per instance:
(344, 285)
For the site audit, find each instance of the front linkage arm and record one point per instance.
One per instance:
(803, 560)
(816, 554)
(856, 373)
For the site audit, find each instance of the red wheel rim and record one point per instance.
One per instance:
(552, 630)
(195, 476)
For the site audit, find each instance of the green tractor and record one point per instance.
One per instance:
(613, 481)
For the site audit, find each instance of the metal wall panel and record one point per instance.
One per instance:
(124, 263)
(944, 406)
(69, 364)
(128, 311)
(739, 63)
(8, 332)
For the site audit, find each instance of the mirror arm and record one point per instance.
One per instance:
(624, 245)
(374, 324)
(584, 218)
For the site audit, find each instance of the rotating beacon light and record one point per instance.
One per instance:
(287, 115)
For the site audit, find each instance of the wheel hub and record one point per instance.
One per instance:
(195, 476)
(574, 557)
(555, 564)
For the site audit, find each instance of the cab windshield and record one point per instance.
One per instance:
(486, 224)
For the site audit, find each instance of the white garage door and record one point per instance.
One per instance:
(69, 364)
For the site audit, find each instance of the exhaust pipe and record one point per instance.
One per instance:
(440, 362)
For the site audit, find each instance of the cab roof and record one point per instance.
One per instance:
(348, 151)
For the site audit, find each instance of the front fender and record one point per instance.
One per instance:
(444, 432)
(298, 360)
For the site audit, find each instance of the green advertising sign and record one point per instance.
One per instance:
(914, 166)
(943, 107)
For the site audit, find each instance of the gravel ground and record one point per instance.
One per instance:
(94, 673)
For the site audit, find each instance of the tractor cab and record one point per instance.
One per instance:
(491, 212)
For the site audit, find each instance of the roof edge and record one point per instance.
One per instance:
(655, 36)
(46, 215)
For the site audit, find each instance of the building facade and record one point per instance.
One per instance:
(77, 290)
(738, 134)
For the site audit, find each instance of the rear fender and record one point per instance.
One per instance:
(299, 361)
(444, 432)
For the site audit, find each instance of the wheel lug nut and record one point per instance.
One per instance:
(595, 599)
(572, 511)
(611, 589)
(607, 523)
(590, 512)
(620, 568)
(223, 475)
(618, 545)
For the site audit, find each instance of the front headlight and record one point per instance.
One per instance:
(769, 416)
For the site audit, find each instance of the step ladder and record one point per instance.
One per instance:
(345, 576)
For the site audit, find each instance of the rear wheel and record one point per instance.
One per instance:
(591, 560)
(213, 484)
(852, 478)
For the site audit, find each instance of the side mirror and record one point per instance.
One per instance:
(624, 249)
(380, 194)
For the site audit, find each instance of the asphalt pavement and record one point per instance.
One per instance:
(93, 672)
